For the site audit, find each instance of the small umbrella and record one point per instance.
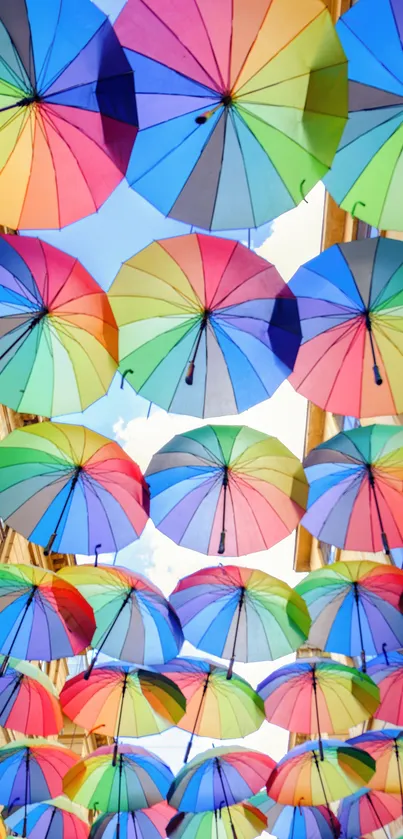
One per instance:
(226, 489)
(367, 175)
(386, 748)
(240, 119)
(58, 336)
(68, 112)
(386, 670)
(215, 706)
(134, 779)
(242, 821)
(355, 489)
(123, 701)
(139, 824)
(350, 302)
(41, 616)
(300, 822)
(240, 614)
(217, 317)
(29, 701)
(355, 607)
(368, 810)
(70, 489)
(134, 620)
(55, 819)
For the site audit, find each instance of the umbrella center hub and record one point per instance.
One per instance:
(30, 100)
(227, 100)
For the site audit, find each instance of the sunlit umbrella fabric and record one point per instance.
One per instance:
(241, 820)
(69, 489)
(226, 489)
(386, 748)
(139, 824)
(32, 771)
(298, 822)
(207, 327)
(386, 670)
(29, 701)
(55, 819)
(68, 117)
(241, 114)
(58, 335)
(368, 810)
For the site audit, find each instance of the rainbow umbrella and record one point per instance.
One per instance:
(355, 607)
(386, 670)
(121, 700)
(134, 620)
(386, 748)
(367, 174)
(41, 616)
(68, 117)
(240, 614)
(29, 701)
(355, 489)
(215, 316)
(299, 822)
(226, 489)
(350, 303)
(3, 834)
(241, 113)
(215, 706)
(58, 336)
(70, 489)
(241, 821)
(368, 810)
(139, 824)
(134, 780)
(55, 819)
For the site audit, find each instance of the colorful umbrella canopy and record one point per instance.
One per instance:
(32, 771)
(240, 614)
(218, 777)
(134, 620)
(58, 336)
(368, 810)
(216, 317)
(303, 776)
(70, 489)
(242, 821)
(226, 489)
(288, 822)
(351, 358)
(241, 115)
(215, 706)
(355, 489)
(55, 819)
(3, 834)
(28, 700)
(131, 779)
(141, 824)
(355, 607)
(68, 112)
(386, 748)
(121, 700)
(41, 616)
(367, 175)
(386, 670)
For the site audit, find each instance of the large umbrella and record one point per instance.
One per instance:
(207, 327)
(68, 115)
(70, 489)
(356, 607)
(29, 701)
(300, 822)
(386, 748)
(55, 819)
(241, 113)
(139, 824)
(134, 620)
(215, 706)
(355, 489)
(240, 614)
(386, 670)
(58, 335)
(350, 303)
(367, 174)
(368, 810)
(41, 616)
(226, 489)
(242, 821)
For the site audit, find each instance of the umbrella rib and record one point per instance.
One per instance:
(234, 125)
(47, 118)
(197, 717)
(375, 812)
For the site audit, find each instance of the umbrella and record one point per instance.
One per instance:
(355, 489)
(350, 299)
(134, 620)
(241, 115)
(216, 317)
(386, 748)
(299, 822)
(3, 834)
(121, 700)
(386, 670)
(241, 820)
(226, 489)
(70, 489)
(355, 607)
(58, 336)
(367, 176)
(215, 706)
(68, 112)
(240, 614)
(41, 616)
(29, 701)
(135, 780)
(139, 824)
(55, 819)
(368, 810)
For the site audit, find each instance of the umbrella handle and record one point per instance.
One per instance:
(123, 379)
(189, 373)
(221, 546)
